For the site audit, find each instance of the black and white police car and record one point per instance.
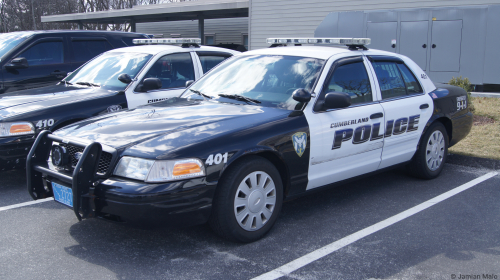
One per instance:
(263, 127)
(121, 78)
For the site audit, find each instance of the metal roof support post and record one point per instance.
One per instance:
(201, 28)
(132, 25)
(80, 25)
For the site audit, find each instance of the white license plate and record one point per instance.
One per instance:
(63, 194)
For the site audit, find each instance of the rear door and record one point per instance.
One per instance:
(48, 64)
(345, 142)
(173, 70)
(407, 108)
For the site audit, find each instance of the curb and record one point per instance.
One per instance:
(473, 161)
(485, 94)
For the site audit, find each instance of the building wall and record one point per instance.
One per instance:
(228, 30)
(299, 18)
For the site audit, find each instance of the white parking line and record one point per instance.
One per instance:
(26, 204)
(332, 247)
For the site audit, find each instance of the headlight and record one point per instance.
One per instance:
(16, 128)
(152, 171)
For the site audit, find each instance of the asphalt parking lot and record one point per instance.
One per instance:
(455, 237)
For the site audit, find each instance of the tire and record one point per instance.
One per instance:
(247, 201)
(429, 159)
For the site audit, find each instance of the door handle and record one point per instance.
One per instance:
(376, 116)
(424, 106)
(58, 73)
(433, 46)
(424, 46)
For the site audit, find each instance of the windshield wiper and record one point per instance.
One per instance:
(88, 84)
(240, 98)
(201, 94)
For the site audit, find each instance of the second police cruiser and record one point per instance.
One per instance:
(152, 71)
(263, 127)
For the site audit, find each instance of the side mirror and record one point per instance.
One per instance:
(301, 95)
(151, 84)
(124, 78)
(190, 82)
(335, 100)
(18, 63)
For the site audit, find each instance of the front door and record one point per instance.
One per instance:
(345, 142)
(47, 66)
(173, 70)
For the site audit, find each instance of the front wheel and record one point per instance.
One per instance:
(429, 159)
(247, 201)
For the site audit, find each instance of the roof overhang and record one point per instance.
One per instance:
(191, 10)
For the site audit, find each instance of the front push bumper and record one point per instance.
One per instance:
(180, 203)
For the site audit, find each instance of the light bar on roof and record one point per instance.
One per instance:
(329, 41)
(167, 41)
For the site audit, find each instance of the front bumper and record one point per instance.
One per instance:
(181, 203)
(14, 150)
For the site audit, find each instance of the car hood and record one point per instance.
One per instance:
(42, 98)
(160, 128)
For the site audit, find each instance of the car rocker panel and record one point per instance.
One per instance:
(231, 160)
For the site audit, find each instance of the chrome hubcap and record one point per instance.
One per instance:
(254, 201)
(435, 150)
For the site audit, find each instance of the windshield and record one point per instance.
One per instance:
(267, 80)
(104, 70)
(9, 40)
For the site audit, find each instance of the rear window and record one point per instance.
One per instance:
(85, 50)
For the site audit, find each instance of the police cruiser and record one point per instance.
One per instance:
(121, 78)
(263, 127)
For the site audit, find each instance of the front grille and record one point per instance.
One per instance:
(104, 161)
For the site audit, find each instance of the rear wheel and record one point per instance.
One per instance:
(247, 201)
(429, 159)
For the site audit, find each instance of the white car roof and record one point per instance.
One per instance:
(321, 52)
(155, 49)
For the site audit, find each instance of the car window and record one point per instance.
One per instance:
(412, 85)
(390, 79)
(353, 79)
(210, 61)
(8, 41)
(268, 79)
(105, 69)
(174, 70)
(84, 50)
(44, 53)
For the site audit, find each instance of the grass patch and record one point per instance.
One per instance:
(484, 137)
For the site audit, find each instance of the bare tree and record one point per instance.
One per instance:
(19, 15)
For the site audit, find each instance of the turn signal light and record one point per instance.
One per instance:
(186, 168)
(20, 128)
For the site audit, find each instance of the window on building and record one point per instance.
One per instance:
(209, 39)
(44, 53)
(244, 40)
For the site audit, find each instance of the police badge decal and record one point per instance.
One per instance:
(299, 142)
